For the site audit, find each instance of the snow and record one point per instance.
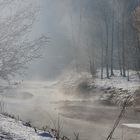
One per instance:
(71, 78)
(116, 89)
(16, 130)
(133, 125)
(119, 82)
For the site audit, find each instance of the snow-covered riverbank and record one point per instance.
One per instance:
(119, 82)
(115, 90)
(12, 129)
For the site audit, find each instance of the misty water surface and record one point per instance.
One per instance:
(42, 103)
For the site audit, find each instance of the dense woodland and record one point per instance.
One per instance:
(115, 42)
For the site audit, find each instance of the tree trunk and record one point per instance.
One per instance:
(102, 69)
(112, 47)
(123, 47)
(119, 51)
(107, 45)
(128, 77)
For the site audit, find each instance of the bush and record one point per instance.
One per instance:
(85, 86)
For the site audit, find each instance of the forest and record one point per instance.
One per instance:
(115, 41)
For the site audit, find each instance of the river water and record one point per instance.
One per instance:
(43, 103)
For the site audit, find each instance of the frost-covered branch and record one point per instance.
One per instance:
(16, 49)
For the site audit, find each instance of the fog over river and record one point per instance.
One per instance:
(42, 103)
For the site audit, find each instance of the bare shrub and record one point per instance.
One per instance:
(76, 135)
(84, 86)
(2, 107)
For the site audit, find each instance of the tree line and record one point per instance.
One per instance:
(115, 42)
(118, 50)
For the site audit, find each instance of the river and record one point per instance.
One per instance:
(43, 103)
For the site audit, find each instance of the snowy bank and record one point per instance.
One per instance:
(115, 90)
(119, 82)
(16, 130)
(118, 88)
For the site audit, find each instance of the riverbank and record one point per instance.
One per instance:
(114, 90)
(14, 129)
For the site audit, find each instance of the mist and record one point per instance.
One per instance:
(70, 69)
(68, 24)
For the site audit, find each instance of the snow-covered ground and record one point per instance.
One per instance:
(72, 78)
(119, 82)
(16, 130)
(116, 89)
(132, 125)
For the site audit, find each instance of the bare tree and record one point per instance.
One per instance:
(125, 34)
(91, 66)
(118, 34)
(123, 45)
(105, 13)
(136, 26)
(102, 61)
(112, 40)
(119, 49)
(16, 49)
(136, 21)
